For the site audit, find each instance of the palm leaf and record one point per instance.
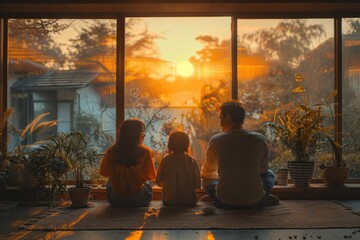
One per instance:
(332, 94)
(31, 126)
(44, 125)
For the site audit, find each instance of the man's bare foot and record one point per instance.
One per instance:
(272, 200)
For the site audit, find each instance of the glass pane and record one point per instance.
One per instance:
(351, 95)
(41, 108)
(66, 69)
(177, 71)
(270, 53)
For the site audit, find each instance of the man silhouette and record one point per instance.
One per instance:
(235, 173)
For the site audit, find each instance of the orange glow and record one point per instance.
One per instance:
(185, 69)
(135, 235)
(251, 67)
(210, 236)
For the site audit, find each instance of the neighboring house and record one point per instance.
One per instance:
(63, 93)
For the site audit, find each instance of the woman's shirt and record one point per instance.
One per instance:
(128, 180)
(179, 175)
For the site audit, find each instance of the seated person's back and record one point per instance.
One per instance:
(178, 173)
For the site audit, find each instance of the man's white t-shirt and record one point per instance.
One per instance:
(237, 158)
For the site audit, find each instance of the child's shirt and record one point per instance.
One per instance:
(179, 176)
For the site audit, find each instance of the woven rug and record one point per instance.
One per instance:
(7, 206)
(288, 214)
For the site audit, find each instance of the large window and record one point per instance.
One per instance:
(177, 71)
(270, 54)
(351, 94)
(66, 69)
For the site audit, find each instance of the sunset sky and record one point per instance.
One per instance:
(179, 33)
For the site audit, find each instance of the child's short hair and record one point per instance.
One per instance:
(178, 142)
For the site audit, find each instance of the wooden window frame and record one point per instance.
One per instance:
(240, 10)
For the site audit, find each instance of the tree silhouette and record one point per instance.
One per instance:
(287, 42)
(37, 35)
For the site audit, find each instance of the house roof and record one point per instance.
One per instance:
(69, 79)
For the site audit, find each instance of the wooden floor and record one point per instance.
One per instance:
(11, 220)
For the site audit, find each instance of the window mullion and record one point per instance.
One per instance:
(234, 69)
(3, 75)
(120, 72)
(338, 79)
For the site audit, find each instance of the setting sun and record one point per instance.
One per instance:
(185, 69)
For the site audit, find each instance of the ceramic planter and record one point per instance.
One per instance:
(335, 176)
(79, 196)
(301, 172)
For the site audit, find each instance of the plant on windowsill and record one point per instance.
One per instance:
(14, 166)
(75, 148)
(300, 129)
(49, 172)
(11, 162)
(337, 173)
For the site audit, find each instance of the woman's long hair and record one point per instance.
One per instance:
(128, 143)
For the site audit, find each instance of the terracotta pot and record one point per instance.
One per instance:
(335, 176)
(301, 172)
(282, 176)
(79, 196)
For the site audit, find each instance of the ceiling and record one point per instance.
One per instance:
(256, 8)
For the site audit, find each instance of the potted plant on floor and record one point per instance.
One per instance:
(75, 148)
(299, 130)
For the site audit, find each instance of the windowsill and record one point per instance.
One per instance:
(314, 191)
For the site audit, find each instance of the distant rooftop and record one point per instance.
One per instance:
(66, 79)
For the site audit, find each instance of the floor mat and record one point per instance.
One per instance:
(7, 206)
(288, 214)
(353, 205)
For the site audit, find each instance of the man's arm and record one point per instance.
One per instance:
(210, 165)
(264, 163)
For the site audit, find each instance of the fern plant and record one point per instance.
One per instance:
(76, 149)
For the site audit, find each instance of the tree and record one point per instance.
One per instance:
(37, 35)
(351, 98)
(95, 49)
(284, 47)
(287, 43)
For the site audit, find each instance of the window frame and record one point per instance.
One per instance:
(120, 53)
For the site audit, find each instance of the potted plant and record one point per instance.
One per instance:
(299, 130)
(14, 166)
(49, 172)
(281, 176)
(75, 148)
(337, 173)
(7, 165)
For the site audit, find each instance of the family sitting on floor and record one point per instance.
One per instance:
(235, 173)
